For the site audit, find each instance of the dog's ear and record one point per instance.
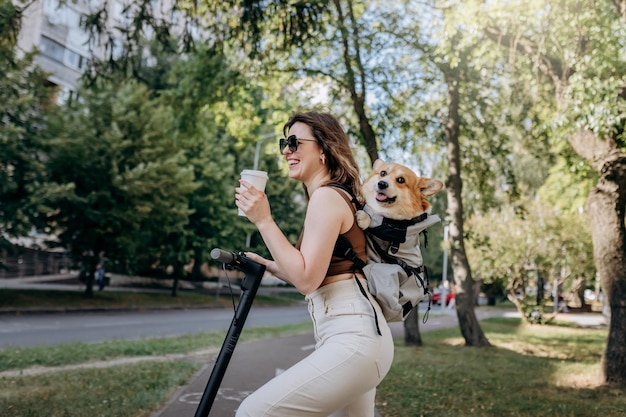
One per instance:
(430, 186)
(377, 164)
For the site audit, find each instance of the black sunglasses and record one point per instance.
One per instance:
(292, 142)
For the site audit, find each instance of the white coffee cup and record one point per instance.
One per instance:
(255, 177)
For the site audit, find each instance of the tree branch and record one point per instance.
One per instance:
(620, 5)
(549, 66)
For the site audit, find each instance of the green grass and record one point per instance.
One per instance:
(52, 299)
(529, 371)
(124, 390)
(13, 358)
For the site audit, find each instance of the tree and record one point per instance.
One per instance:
(575, 51)
(26, 107)
(523, 249)
(215, 113)
(223, 117)
(458, 115)
(117, 182)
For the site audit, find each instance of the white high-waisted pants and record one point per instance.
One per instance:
(339, 378)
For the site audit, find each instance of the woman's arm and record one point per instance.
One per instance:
(327, 215)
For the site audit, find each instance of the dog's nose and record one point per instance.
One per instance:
(382, 185)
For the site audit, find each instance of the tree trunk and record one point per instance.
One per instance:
(540, 284)
(174, 292)
(90, 280)
(470, 328)
(198, 259)
(605, 209)
(367, 132)
(355, 76)
(412, 336)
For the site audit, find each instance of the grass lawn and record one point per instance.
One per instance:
(122, 389)
(53, 299)
(529, 371)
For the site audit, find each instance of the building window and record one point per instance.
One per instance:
(52, 49)
(60, 53)
(75, 60)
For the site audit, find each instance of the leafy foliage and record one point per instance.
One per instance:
(26, 109)
(116, 179)
(516, 250)
(24, 115)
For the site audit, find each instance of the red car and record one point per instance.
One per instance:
(437, 297)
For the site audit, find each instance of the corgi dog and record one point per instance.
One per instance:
(395, 192)
(396, 213)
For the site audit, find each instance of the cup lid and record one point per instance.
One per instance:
(256, 172)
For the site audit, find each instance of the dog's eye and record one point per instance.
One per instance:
(383, 173)
(401, 180)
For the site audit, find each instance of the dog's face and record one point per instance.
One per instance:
(396, 192)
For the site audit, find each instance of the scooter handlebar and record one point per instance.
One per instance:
(224, 256)
(238, 261)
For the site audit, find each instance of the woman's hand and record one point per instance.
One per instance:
(270, 265)
(253, 202)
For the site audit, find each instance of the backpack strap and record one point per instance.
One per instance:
(354, 200)
(343, 248)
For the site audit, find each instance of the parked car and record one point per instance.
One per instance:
(437, 297)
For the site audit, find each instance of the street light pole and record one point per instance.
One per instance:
(444, 272)
(257, 149)
(255, 166)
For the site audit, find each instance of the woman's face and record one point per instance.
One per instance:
(305, 162)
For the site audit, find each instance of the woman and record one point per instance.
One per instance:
(351, 356)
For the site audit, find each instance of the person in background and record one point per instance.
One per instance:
(101, 271)
(354, 349)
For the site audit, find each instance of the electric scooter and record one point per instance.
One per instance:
(253, 273)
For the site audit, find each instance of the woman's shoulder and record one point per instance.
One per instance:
(325, 192)
(330, 196)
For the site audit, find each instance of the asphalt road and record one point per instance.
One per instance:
(52, 329)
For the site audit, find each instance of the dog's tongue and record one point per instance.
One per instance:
(381, 197)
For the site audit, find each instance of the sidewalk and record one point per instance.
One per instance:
(61, 282)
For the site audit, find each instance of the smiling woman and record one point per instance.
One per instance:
(332, 380)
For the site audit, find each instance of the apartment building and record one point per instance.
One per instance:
(65, 49)
(55, 30)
